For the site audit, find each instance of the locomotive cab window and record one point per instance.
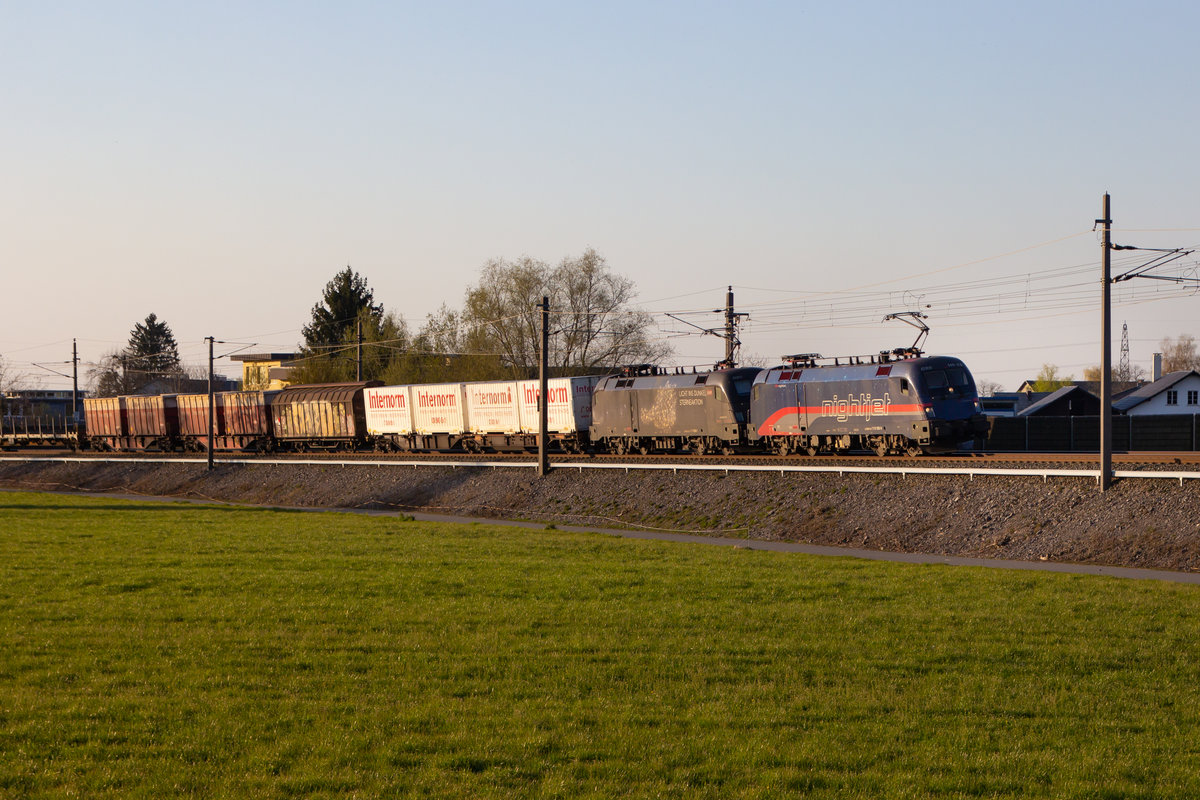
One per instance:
(904, 385)
(943, 383)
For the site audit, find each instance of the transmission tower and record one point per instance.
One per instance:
(1124, 371)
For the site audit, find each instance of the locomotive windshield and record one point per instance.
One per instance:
(742, 385)
(949, 382)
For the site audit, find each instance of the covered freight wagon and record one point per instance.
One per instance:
(329, 416)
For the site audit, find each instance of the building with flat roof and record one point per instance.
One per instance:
(262, 371)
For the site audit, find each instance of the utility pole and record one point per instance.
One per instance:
(543, 360)
(75, 380)
(732, 343)
(730, 330)
(211, 406)
(358, 370)
(1106, 351)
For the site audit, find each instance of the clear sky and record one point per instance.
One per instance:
(216, 163)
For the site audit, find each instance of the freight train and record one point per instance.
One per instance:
(888, 405)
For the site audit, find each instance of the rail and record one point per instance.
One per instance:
(903, 471)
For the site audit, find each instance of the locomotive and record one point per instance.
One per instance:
(890, 407)
(644, 409)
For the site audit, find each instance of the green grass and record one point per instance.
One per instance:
(166, 650)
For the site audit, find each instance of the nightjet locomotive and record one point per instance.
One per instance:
(907, 406)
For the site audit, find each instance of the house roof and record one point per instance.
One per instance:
(1149, 390)
(1117, 387)
(1050, 399)
(263, 357)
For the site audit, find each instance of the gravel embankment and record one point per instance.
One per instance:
(1152, 524)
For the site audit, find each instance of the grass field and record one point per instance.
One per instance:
(164, 650)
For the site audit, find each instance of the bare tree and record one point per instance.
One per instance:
(1179, 354)
(1135, 373)
(988, 388)
(595, 328)
(599, 329)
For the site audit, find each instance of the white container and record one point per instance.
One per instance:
(389, 410)
(439, 408)
(492, 407)
(569, 409)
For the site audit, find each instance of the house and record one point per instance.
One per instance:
(1173, 393)
(265, 370)
(54, 403)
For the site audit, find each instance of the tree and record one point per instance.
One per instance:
(1179, 354)
(599, 330)
(347, 300)
(152, 349)
(384, 337)
(595, 328)
(1134, 374)
(1048, 380)
(988, 388)
(151, 354)
(442, 351)
(110, 377)
(5, 377)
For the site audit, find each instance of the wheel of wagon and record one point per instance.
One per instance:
(810, 450)
(880, 447)
(643, 448)
(781, 446)
(699, 448)
(913, 450)
(618, 447)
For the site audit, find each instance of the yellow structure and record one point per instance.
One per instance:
(265, 371)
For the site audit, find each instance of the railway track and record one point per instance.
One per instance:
(1012, 460)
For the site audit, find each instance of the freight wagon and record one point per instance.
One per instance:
(479, 416)
(133, 422)
(320, 417)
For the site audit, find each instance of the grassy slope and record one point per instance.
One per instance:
(151, 650)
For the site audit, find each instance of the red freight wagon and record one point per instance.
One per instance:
(193, 421)
(151, 422)
(245, 420)
(104, 420)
